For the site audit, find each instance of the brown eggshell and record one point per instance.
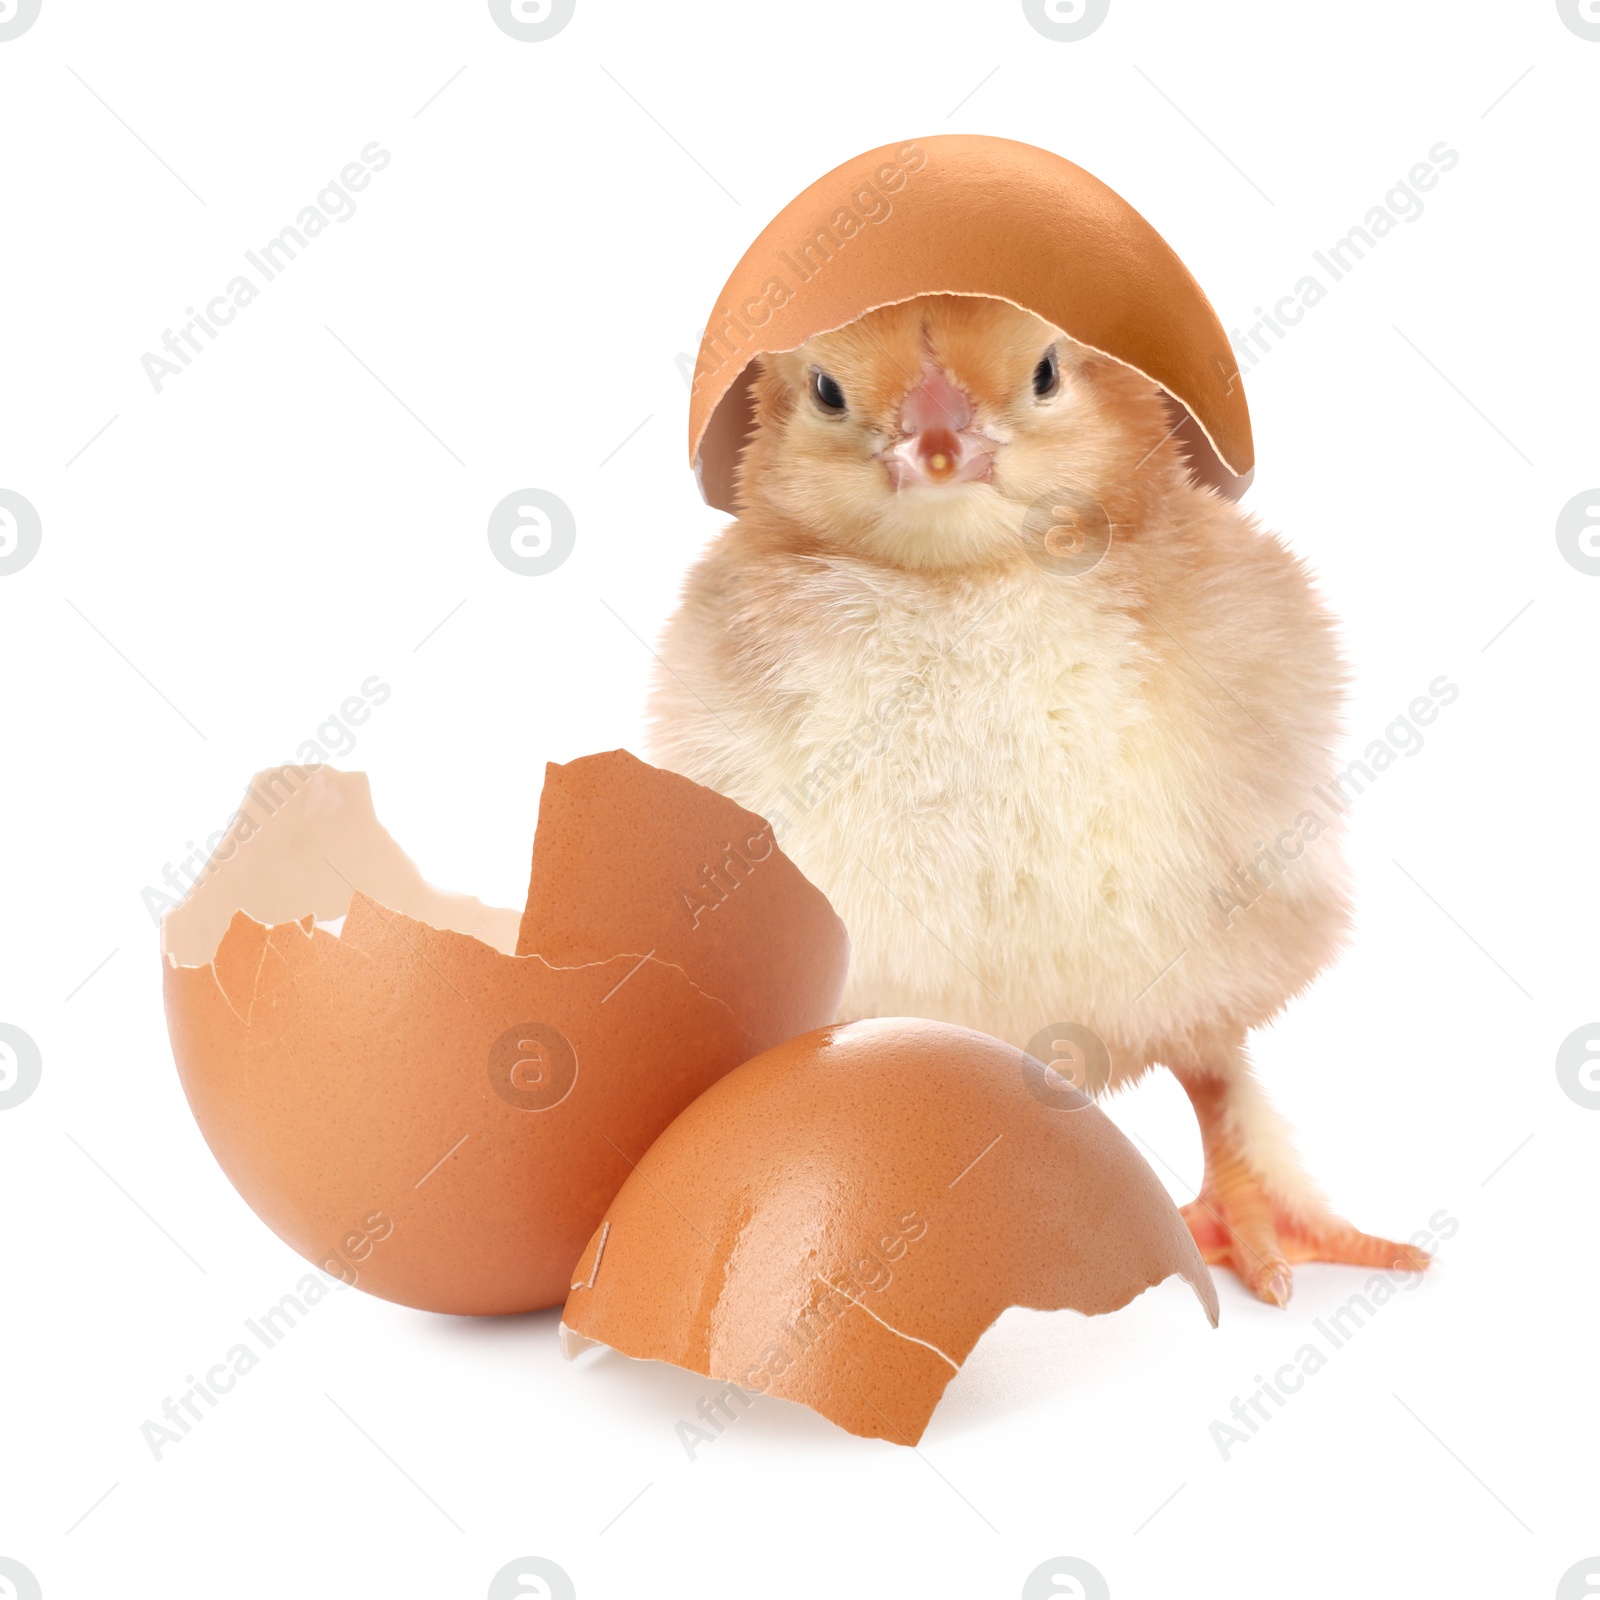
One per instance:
(416, 1106)
(969, 214)
(839, 1220)
(686, 881)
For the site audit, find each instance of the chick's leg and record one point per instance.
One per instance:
(1258, 1211)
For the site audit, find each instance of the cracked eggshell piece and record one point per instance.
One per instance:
(970, 214)
(418, 1103)
(838, 1221)
(626, 851)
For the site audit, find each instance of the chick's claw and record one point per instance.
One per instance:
(1238, 1230)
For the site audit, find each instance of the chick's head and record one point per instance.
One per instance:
(933, 433)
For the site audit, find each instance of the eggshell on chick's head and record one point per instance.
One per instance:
(422, 1105)
(969, 214)
(839, 1220)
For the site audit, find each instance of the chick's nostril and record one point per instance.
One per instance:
(935, 403)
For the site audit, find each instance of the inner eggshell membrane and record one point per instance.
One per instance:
(838, 1221)
(437, 1101)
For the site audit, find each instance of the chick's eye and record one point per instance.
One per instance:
(827, 394)
(1047, 375)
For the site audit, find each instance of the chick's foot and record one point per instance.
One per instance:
(1239, 1222)
(1245, 1231)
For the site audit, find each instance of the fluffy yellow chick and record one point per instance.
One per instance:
(1031, 707)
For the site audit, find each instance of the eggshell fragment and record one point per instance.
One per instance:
(628, 852)
(839, 1220)
(421, 1104)
(969, 214)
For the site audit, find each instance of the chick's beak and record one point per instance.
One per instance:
(939, 444)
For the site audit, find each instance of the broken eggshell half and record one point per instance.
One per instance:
(970, 214)
(436, 1100)
(838, 1221)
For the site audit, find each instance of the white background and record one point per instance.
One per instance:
(229, 559)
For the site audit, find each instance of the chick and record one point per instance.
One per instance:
(1030, 706)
